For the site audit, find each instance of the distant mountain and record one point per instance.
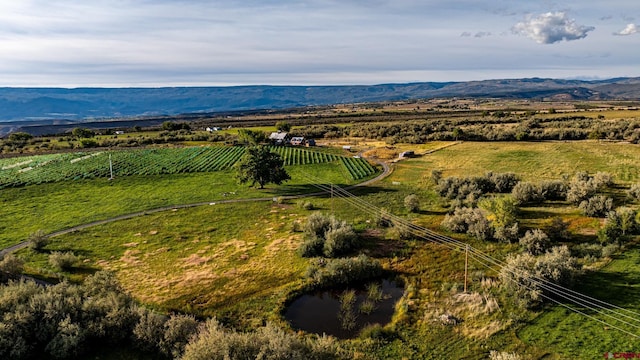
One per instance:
(35, 105)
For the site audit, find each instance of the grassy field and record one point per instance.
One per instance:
(194, 260)
(534, 161)
(57, 206)
(238, 261)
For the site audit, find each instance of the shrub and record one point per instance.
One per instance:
(602, 180)
(506, 234)
(401, 231)
(339, 240)
(178, 330)
(527, 193)
(412, 203)
(503, 210)
(503, 182)
(596, 206)
(10, 267)
(579, 191)
(311, 247)
(627, 218)
(553, 190)
(535, 241)
(634, 192)
(343, 271)
(328, 236)
(268, 342)
(611, 231)
(610, 249)
(38, 240)
(317, 224)
(471, 221)
(436, 175)
(149, 330)
(63, 260)
(307, 205)
(521, 271)
(501, 355)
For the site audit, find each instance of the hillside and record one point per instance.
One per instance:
(47, 106)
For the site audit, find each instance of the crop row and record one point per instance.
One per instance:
(300, 156)
(357, 168)
(75, 166)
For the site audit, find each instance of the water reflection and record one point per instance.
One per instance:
(342, 314)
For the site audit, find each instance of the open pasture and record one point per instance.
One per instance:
(534, 161)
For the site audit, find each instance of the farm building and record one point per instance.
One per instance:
(212, 129)
(279, 138)
(310, 142)
(297, 140)
(408, 153)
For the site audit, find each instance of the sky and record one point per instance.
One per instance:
(152, 43)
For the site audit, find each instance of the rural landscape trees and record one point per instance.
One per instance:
(261, 166)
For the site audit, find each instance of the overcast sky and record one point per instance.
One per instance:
(124, 43)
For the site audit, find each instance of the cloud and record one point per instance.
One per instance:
(465, 34)
(481, 34)
(551, 27)
(629, 30)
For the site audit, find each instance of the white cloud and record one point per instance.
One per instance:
(629, 30)
(551, 27)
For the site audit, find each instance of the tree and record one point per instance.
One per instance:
(283, 126)
(82, 133)
(20, 136)
(261, 166)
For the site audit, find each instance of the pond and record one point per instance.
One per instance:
(344, 313)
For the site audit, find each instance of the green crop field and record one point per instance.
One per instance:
(35, 170)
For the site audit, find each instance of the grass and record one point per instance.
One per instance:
(194, 260)
(57, 206)
(572, 335)
(237, 261)
(534, 161)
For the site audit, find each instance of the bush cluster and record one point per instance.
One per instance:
(343, 271)
(267, 342)
(530, 193)
(523, 272)
(469, 189)
(536, 242)
(472, 221)
(327, 236)
(583, 186)
(66, 321)
(596, 206)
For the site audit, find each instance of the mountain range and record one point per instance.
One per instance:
(22, 106)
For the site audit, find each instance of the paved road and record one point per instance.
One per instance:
(386, 171)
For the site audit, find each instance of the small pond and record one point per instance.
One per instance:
(344, 313)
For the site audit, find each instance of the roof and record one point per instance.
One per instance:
(278, 135)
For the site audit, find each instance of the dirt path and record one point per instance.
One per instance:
(386, 171)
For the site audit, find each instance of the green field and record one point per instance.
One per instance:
(34, 170)
(238, 261)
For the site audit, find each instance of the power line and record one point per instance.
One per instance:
(611, 311)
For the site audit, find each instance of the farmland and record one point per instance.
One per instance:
(35, 170)
(239, 261)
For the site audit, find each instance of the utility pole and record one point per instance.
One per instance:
(466, 266)
(332, 199)
(110, 168)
